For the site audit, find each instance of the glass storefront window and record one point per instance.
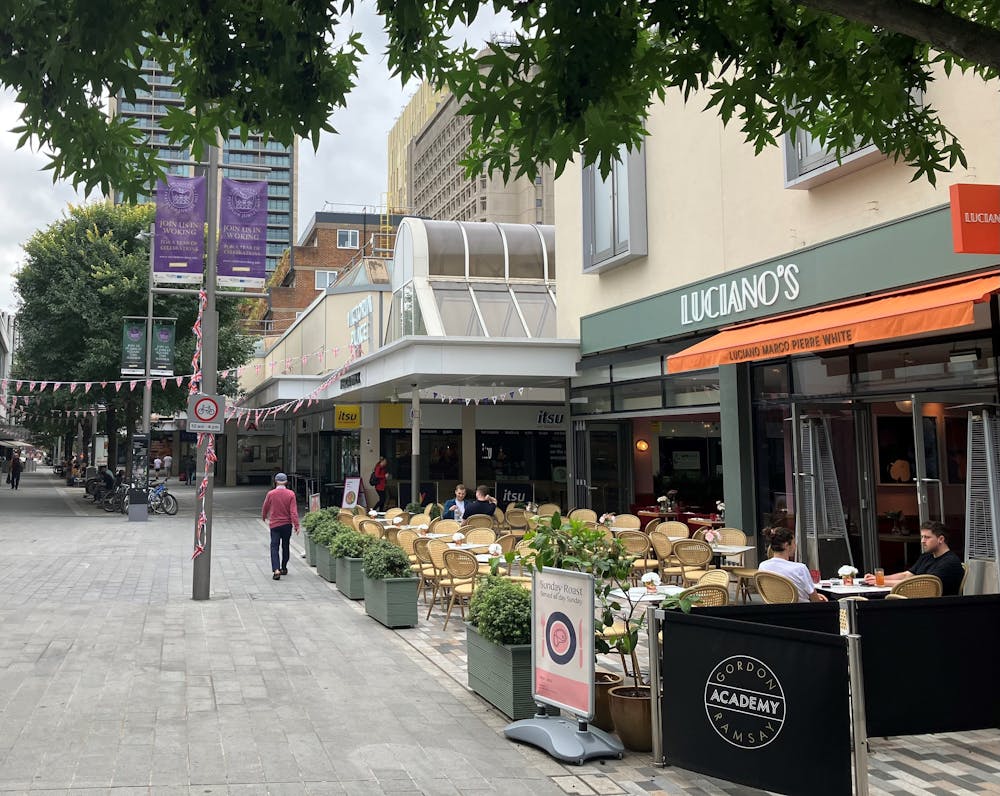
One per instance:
(700, 388)
(821, 375)
(440, 455)
(591, 400)
(520, 455)
(941, 366)
(638, 395)
(770, 381)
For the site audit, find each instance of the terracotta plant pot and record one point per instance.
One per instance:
(603, 683)
(632, 713)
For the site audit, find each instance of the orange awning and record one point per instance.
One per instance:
(917, 311)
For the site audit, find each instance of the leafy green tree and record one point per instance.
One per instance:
(82, 275)
(576, 77)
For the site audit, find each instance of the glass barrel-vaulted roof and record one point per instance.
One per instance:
(473, 279)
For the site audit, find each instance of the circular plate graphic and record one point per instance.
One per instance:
(349, 498)
(560, 638)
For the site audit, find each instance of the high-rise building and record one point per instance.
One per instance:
(427, 143)
(148, 110)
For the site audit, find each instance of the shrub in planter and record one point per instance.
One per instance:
(389, 585)
(322, 535)
(346, 550)
(413, 508)
(313, 521)
(498, 646)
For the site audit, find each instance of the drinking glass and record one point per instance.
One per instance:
(880, 577)
(814, 574)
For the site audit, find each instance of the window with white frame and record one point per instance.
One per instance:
(614, 213)
(324, 279)
(809, 163)
(347, 239)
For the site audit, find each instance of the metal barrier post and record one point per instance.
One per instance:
(653, 617)
(859, 728)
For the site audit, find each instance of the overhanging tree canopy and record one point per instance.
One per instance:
(578, 77)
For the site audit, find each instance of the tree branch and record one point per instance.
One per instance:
(933, 24)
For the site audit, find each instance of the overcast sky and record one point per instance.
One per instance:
(347, 172)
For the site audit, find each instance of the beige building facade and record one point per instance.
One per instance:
(694, 241)
(436, 185)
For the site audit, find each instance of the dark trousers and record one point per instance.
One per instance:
(380, 506)
(15, 479)
(283, 535)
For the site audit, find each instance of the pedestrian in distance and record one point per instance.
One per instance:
(281, 514)
(378, 479)
(168, 465)
(14, 470)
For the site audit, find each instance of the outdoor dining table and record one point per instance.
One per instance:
(838, 590)
(638, 594)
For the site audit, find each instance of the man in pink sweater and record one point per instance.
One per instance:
(281, 513)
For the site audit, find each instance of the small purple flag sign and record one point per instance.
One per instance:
(242, 234)
(179, 243)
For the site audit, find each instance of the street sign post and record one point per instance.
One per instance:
(206, 413)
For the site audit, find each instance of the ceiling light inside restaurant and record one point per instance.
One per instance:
(641, 445)
(905, 406)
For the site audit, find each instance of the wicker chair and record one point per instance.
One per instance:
(674, 529)
(965, 575)
(405, 541)
(663, 549)
(693, 556)
(919, 586)
(392, 513)
(526, 555)
(482, 536)
(423, 566)
(371, 528)
(709, 595)
(628, 521)
(517, 520)
(636, 543)
(438, 577)
(775, 589)
(449, 527)
(345, 517)
(420, 519)
(586, 515)
(549, 509)
(715, 577)
(506, 542)
(652, 525)
(477, 521)
(461, 569)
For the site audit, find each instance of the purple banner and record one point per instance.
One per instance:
(242, 234)
(179, 243)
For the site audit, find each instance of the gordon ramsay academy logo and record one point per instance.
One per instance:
(745, 702)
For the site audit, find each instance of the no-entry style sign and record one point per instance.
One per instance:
(206, 413)
(562, 641)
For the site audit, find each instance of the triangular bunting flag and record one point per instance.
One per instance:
(163, 383)
(132, 384)
(87, 386)
(179, 380)
(73, 386)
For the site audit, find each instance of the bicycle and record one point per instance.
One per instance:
(160, 500)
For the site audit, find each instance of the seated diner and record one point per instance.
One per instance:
(937, 559)
(782, 541)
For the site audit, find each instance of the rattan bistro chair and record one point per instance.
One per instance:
(919, 586)
(585, 515)
(694, 557)
(674, 529)
(628, 521)
(481, 536)
(549, 509)
(663, 549)
(461, 569)
(450, 527)
(636, 543)
(965, 575)
(708, 595)
(371, 528)
(517, 521)
(775, 589)
(405, 540)
(715, 577)
(477, 521)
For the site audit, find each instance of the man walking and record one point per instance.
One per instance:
(281, 514)
(15, 469)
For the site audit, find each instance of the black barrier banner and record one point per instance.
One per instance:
(818, 617)
(766, 707)
(929, 664)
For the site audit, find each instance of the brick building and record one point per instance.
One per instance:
(334, 244)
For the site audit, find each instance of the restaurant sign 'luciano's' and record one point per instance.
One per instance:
(736, 296)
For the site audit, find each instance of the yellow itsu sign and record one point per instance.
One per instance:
(347, 416)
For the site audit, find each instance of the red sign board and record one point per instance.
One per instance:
(975, 218)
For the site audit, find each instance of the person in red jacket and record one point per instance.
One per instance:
(281, 513)
(381, 474)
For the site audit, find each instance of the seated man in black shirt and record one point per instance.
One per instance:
(483, 504)
(937, 559)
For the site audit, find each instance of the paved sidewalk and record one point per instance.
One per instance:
(112, 680)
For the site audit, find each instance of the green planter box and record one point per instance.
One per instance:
(324, 564)
(350, 578)
(310, 551)
(392, 601)
(500, 674)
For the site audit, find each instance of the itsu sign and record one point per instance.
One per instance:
(359, 321)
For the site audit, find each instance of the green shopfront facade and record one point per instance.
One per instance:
(875, 432)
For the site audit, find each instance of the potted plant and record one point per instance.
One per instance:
(498, 646)
(390, 587)
(347, 550)
(322, 535)
(572, 545)
(310, 522)
(414, 508)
